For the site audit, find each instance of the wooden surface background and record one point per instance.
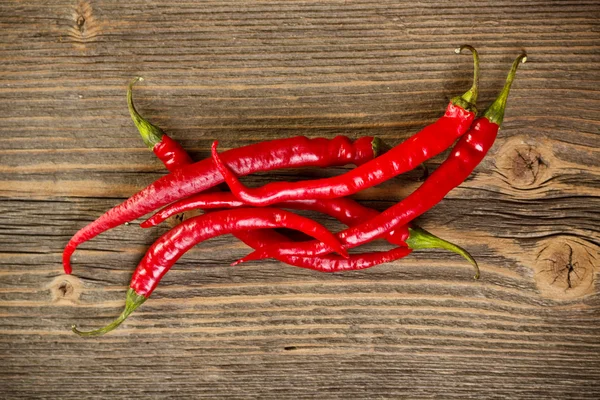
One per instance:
(243, 72)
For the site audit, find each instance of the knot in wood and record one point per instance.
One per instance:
(565, 269)
(65, 288)
(523, 164)
(81, 23)
(85, 27)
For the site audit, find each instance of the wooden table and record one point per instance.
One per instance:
(244, 72)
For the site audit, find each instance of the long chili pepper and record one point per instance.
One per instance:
(345, 210)
(429, 142)
(163, 254)
(332, 263)
(465, 156)
(166, 149)
(294, 152)
(416, 239)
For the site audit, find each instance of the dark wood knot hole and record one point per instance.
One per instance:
(65, 289)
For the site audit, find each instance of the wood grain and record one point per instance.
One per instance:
(243, 72)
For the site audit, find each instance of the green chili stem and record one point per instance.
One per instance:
(377, 146)
(495, 112)
(469, 98)
(151, 134)
(421, 239)
(133, 301)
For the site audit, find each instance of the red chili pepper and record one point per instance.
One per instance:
(191, 179)
(163, 254)
(465, 156)
(345, 210)
(416, 239)
(276, 154)
(332, 263)
(429, 142)
(169, 151)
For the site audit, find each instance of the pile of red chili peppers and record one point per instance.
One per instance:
(252, 214)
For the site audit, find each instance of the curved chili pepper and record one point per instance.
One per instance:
(169, 151)
(332, 263)
(165, 252)
(294, 152)
(465, 156)
(429, 142)
(416, 239)
(345, 210)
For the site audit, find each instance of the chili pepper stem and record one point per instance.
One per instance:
(495, 112)
(151, 134)
(377, 146)
(419, 238)
(469, 98)
(133, 301)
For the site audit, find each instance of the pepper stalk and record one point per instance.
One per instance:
(132, 302)
(495, 112)
(151, 134)
(419, 238)
(469, 98)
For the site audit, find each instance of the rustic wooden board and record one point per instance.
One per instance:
(248, 71)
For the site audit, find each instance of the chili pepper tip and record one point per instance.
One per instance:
(258, 254)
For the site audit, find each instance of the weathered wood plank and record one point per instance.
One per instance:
(243, 72)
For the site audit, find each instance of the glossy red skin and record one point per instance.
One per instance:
(332, 263)
(294, 152)
(161, 256)
(345, 210)
(429, 142)
(464, 157)
(327, 262)
(171, 153)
